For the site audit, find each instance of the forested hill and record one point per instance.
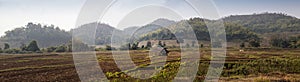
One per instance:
(238, 28)
(45, 35)
(266, 22)
(234, 32)
(103, 32)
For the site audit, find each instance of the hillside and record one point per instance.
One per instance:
(238, 28)
(234, 32)
(266, 22)
(45, 35)
(101, 33)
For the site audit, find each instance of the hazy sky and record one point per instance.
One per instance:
(63, 13)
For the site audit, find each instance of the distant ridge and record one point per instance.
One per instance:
(238, 27)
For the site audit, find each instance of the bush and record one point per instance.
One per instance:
(254, 43)
(12, 51)
(109, 48)
(51, 49)
(61, 49)
(33, 46)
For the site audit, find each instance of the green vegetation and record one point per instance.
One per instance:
(108, 47)
(266, 22)
(45, 35)
(33, 46)
(239, 28)
(285, 42)
(234, 32)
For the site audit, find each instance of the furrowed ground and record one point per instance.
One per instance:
(250, 65)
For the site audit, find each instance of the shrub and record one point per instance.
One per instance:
(254, 43)
(61, 49)
(12, 51)
(51, 49)
(33, 46)
(109, 48)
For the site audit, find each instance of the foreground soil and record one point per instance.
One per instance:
(60, 66)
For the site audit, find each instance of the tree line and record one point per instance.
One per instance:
(33, 47)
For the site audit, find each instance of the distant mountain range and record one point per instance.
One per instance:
(238, 28)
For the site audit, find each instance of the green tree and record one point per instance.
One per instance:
(51, 49)
(254, 43)
(33, 46)
(281, 42)
(6, 46)
(108, 47)
(61, 49)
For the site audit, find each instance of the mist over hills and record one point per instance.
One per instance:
(238, 28)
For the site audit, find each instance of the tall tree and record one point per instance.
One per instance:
(33, 46)
(254, 43)
(6, 46)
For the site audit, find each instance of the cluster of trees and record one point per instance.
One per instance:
(284, 42)
(266, 22)
(45, 35)
(234, 31)
(251, 43)
(61, 48)
(31, 47)
(135, 46)
(239, 28)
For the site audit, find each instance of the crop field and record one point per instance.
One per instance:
(249, 65)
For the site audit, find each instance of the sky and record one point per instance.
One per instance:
(125, 13)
